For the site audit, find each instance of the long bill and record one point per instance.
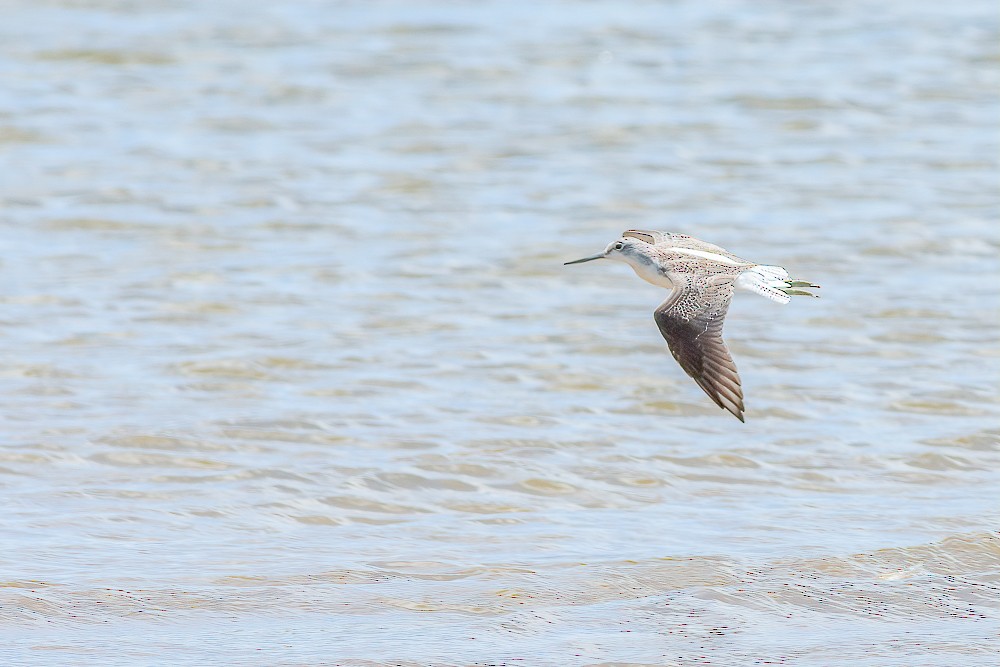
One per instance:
(599, 255)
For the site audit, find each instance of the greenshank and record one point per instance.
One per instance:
(702, 278)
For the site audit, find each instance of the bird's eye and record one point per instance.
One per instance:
(618, 246)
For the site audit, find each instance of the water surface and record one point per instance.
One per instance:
(294, 375)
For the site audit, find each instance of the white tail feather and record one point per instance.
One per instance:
(772, 282)
(775, 272)
(767, 281)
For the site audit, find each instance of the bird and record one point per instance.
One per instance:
(702, 278)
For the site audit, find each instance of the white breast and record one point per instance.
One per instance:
(651, 274)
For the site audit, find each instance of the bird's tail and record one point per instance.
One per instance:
(772, 282)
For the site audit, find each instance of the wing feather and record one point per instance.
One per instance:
(691, 321)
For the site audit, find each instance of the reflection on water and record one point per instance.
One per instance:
(294, 374)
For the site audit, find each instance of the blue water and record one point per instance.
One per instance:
(294, 374)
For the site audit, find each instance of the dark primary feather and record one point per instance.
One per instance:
(692, 327)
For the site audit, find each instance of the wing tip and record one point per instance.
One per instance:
(735, 409)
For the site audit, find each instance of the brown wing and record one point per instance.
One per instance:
(691, 322)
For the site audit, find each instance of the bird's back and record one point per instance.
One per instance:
(709, 251)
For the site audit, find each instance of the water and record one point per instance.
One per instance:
(294, 375)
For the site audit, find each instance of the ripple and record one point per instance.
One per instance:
(224, 369)
(106, 57)
(162, 442)
(987, 441)
(941, 462)
(386, 481)
(151, 460)
(366, 505)
(947, 408)
(545, 487)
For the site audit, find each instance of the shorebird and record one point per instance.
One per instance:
(701, 278)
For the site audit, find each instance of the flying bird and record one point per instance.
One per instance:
(701, 278)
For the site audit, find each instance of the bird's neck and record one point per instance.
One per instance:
(649, 271)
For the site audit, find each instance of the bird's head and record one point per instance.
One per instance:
(626, 249)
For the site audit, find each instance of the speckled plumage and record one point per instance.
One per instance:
(702, 278)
